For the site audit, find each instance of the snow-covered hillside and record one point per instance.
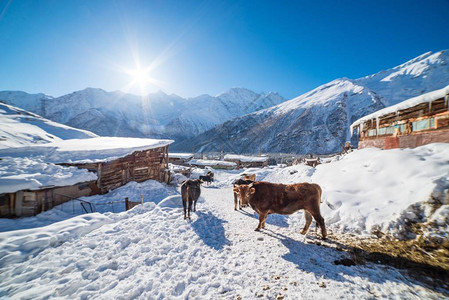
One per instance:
(22, 128)
(29, 102)
(318, 121)
(155, 115)
(151, 252)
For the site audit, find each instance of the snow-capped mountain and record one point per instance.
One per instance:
(318, 121)
(19, 127)
(155, 115)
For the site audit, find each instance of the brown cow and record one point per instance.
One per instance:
(237, 201)
(267, 198)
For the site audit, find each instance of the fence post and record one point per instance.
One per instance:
(141, 198)
(126, 203)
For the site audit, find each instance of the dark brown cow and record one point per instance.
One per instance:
(190, 192)
(267, 198)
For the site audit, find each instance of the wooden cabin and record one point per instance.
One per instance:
(115, 161)
(243, 161)
(417, 121)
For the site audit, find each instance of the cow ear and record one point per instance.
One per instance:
(252, 191)
(236, 189)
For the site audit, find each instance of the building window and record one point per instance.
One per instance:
(372, 132)
(422, 124)
(386, 130)
(389, 130)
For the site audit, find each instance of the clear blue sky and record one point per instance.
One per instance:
(197, 47)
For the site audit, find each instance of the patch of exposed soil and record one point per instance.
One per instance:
(424, 262)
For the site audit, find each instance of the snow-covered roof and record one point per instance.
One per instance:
(17, 173)
(428, 97)
(244, 158)
(97, 149)
(180, 155)
(203, 162)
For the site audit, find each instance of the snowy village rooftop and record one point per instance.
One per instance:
(204, 162)
(428, 97)
(244, 158)
(99, 149)
(180, 155)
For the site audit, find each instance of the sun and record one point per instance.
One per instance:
(139, 76)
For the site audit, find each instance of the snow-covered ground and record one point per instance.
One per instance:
(151, 252)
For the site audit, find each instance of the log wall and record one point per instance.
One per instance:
(138, 166)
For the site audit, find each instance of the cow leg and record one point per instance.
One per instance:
(308, 217)
(235, 201)
(262, 218)
(184, 205)
(320, 220)
(190, 209)
(194, 205)
(242, 205)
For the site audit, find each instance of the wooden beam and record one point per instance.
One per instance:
(19, 204)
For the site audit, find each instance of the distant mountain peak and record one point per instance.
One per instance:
(154, 115)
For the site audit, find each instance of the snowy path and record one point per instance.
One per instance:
(151, 252)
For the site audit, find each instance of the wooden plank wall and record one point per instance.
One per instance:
(27, 203)
(138, 166)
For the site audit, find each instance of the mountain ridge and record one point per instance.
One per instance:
(156, 115)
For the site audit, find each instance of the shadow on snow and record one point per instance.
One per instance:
(273, 219)
(210, 229)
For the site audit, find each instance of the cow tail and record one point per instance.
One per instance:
(187, 193)
(324, 200)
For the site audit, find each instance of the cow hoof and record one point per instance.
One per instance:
(257, 229)
(303, 232)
